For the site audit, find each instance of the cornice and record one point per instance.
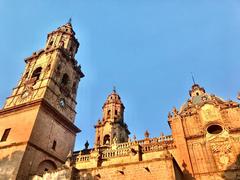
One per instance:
(57, 115)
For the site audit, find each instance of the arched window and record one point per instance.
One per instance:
(108, 114)
(106, 139)
(36, 73)
(46, 165)
(50, 43)
(116, 112)
(65, 80)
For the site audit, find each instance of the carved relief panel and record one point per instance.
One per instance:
(209, 113)
(222, 149)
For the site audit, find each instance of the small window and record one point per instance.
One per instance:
(54, 145)
(116, 112)
(109, 112)
(65, 80)
(36, 73)
(5, 134)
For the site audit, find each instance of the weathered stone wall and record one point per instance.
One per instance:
(10, 161)
(12, 150)
(60, 174)
(146, 170)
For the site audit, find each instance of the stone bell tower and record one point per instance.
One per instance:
(206, 131)
(37, 130)
(112, 129)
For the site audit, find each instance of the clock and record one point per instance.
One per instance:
(25, 94)
(62, 102)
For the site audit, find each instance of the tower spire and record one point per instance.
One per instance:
(193, 78)
(70, 20)
(114, 89)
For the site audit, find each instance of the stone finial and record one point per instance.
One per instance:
(86, 145)
(70, 21)
(99, 121)
(175, 111)
(146, 134)
(114, 89)
(161, 134)
(169, 115)
(134, 137)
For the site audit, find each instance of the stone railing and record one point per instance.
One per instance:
(124, 149)
(160, 139)
(115, 153)
(82, 158)
(158, 144)
(124, 145)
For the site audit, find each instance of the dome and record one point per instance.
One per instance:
(113, 98)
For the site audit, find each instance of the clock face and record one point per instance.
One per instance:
(25, 94)
(62, 102)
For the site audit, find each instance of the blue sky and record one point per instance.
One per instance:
(147, 49)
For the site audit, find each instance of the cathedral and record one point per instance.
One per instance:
(37, 131)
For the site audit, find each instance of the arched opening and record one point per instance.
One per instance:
(214, 129)
(106, 140)
(36, 73)
(46, 165)
(65, 80)
(50, 43)
(108, 114)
